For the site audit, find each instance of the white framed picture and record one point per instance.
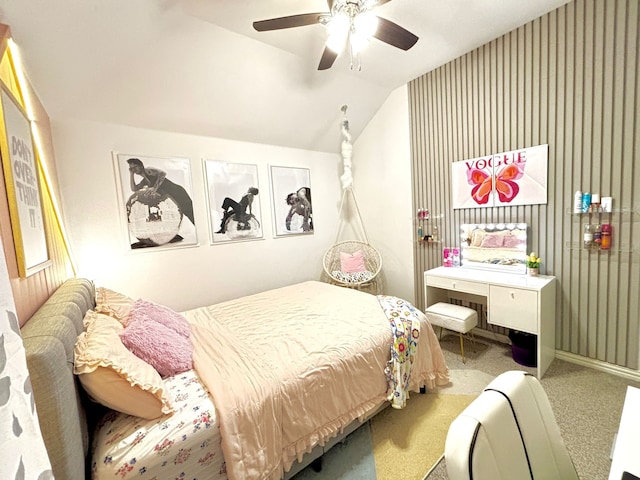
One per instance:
(156, 201)
(233, 200)
(291, 200)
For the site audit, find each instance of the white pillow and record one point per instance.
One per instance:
(112, 375)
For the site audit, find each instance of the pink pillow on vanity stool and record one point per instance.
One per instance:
(352, 263)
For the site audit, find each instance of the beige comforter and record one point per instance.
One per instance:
(289, 368)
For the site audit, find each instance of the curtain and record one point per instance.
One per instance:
(22, 451)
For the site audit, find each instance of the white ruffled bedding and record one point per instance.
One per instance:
(127, 447)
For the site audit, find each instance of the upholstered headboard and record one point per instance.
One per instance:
(49, 338)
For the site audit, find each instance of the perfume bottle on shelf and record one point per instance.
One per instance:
(605, 243)
(597, 236)
(588, 236)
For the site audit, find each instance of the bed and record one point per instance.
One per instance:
(276, 379)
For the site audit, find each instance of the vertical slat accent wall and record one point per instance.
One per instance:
(569, 79)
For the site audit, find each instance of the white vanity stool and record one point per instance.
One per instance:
(453, 317)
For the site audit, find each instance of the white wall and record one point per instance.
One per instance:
(184, 278)
(382, 183)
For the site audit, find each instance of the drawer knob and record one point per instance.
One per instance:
(513, 295)
(454, 284)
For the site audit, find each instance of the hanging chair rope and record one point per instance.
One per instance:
(355, 202)
(353, 250)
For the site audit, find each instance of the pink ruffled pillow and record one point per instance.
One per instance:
(146, 310)
(352, 263)
(492, 241)
(161, 347)
(512, 241)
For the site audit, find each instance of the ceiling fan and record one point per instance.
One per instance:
(349, 23)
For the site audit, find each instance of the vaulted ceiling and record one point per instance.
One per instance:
(198, 66)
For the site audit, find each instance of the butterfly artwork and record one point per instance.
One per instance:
(503, 183)
(511, 178)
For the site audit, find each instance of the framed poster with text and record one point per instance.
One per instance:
(23, 188)
(518, 177)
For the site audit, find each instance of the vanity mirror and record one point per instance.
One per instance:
(500, 247)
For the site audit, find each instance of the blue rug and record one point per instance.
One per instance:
(350, 460)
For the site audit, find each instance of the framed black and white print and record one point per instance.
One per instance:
(156, 201)
(233, 198)
(291, 200)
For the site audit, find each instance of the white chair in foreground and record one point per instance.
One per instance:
(509, 432)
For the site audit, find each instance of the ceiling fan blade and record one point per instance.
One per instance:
(394, 34)
(289, 22)
(328, 57)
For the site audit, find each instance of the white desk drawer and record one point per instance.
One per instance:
(458, 285)
(513, 308)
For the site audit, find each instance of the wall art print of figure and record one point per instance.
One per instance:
(291, 200)
(518, 177)
(234, 201)
(157, 199)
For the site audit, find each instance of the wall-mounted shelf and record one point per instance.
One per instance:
(428, 227)
(622, 248)
(619, 216)
(616, 211)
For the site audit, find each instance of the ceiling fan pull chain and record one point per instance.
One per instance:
(350, 47)
(353, 55)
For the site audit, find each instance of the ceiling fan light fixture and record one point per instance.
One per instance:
(338, 24)
(350, 24)
(365, 24)
(336, 42)
(358, 42)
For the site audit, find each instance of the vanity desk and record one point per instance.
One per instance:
(516, 301)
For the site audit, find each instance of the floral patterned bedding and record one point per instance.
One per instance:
(179, 446)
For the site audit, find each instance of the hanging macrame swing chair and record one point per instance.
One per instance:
(351, 263)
